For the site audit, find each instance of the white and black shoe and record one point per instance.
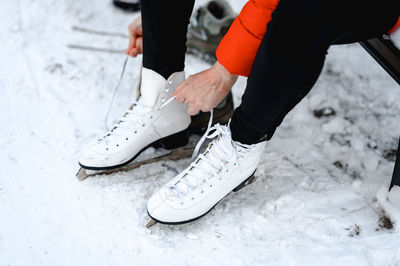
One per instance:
(225, 166)
(143, 125)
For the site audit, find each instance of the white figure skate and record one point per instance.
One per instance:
(225, 166)
(143, 125)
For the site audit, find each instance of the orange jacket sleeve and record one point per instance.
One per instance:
(238, 48)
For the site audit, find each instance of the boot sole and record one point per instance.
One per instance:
(246, 182)
(170, 142)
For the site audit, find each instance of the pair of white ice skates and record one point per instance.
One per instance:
(225, 165)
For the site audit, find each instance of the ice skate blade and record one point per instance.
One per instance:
(175, 154)
(246, 182)
(81, 175)
(150, 222)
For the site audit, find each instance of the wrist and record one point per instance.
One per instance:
(222, 70)
(226, 76)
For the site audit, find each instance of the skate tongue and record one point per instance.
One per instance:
(151, 86)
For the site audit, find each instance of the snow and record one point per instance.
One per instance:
(321, 186)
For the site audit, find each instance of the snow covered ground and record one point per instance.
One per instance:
(314, 201)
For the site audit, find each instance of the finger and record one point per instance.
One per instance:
(178, 89)
(133, 36)
(130, 30)
(133, 52)
(139, 45)
(130, 45)
(139, 30)
(181, 88)
(176, 92)
(134, 41)
(205, 108)
(180, 97)
(193, 110)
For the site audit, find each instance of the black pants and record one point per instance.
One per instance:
(289, 60)
(165, 25)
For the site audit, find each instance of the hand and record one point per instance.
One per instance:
(135, 37)
(205, 90)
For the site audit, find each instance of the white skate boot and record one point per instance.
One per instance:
(395, 37)
(143, 125)
(225, 166)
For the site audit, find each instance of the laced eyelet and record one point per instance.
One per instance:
(181, 202)
(134, 132)
(210, 185)
(163, 100)
(106, 149)
(151, 116)
(192, 198)
(167, 90)
(143, 124)
(126, 138)
(117, 145)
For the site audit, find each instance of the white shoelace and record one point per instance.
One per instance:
(211, 163)
(131, 121)
(115, 92)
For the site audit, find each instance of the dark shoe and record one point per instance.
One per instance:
(127, 5)
(208, 26)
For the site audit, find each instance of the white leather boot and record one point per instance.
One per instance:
(144, 124)
(395, 37)
(225, 166)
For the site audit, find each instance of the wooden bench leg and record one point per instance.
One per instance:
(396, 172)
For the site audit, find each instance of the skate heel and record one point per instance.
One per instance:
(173, 141)
(246, 182)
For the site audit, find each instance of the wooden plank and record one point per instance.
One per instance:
(386, 54)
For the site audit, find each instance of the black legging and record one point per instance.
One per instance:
(289, 60)
(165, 25)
